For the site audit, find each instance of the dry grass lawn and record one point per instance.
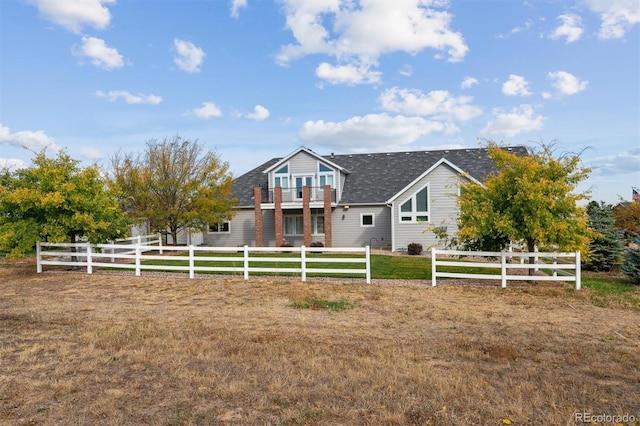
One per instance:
(113, 349)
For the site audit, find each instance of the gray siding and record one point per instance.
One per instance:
(242, 229)
(443, 210)
(347, 231)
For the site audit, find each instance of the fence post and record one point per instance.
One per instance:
(113, 251)
(38, 258)
(160, 241)
(578, 272)
(246, 262)
(433, 267)
(503, 269)
(303, 263)
(555, 263)
(192, 263)
(367, 255)
(138, 260)
(139, 240)
(535, 249)
(89, 260)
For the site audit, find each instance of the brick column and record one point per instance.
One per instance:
(306, 215)
(257, 207)
(327, 216)
(277, 200)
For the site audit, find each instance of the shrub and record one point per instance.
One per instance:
(631, 263)
(317, 244)
(414, 249)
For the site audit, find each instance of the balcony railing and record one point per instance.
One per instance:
(294, 195)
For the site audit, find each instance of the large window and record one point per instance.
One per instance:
(294, 225)
(281, 177)
(325, 176)
(416, 208)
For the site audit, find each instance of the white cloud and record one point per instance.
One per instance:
(129, 98)
(371, 132)
(360, 32)
(518, 120)
(566, 83)
(571, 28)
(347, 74)
(547, 95)
(468, 82)
(208, 110)
(259, 113)
(236, 5)
(515, 30)
(75, 14)
(516, 86)
(34, 141)
(91, 153)
(622, 163)
(11, 164)
(439, 104)
(406, 70)
(617, 16)
(188, 57)
(101, 55)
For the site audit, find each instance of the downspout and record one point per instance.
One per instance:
(393, 228)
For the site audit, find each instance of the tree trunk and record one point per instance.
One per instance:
(531, 247)
(72, 240)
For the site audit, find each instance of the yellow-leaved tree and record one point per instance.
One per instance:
(530, 199)
(174, 184)
(57, 200)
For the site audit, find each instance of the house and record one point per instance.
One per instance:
(386, 200)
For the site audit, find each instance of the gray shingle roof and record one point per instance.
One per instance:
(375, 178)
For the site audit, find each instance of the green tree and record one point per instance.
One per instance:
(606, 247)
(56, 200)
(175, 185)
(530, 200)
(631, 262)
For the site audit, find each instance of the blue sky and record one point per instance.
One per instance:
(256, 79)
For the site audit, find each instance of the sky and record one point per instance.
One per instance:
(257, 79)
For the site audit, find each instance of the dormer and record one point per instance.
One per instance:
(303, 167)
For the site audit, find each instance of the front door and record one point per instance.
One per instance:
(300, 182)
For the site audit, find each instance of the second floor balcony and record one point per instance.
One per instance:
(294, 195)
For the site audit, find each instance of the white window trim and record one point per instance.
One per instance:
(331, 173)
(281, 175)
(220, 232)
(414, 214)
(314, 225)
(373, 220)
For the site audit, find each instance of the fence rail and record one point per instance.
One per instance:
(554, 262)
(104, 255)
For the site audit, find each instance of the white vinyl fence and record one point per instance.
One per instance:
(563, 266)
(136, 256)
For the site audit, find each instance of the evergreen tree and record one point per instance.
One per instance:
(605, 249)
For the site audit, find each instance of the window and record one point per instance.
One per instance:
(325, 176)
(219, 227)
(366, 220)
(281, 177)
(416, 208)
(294, 225)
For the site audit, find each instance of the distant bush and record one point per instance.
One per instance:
(317, 244)
(414, 249)
(631, 263)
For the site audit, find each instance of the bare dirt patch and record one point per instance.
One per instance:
(118, 349)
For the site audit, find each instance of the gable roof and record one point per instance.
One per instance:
(311, 153)
(377, 177)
